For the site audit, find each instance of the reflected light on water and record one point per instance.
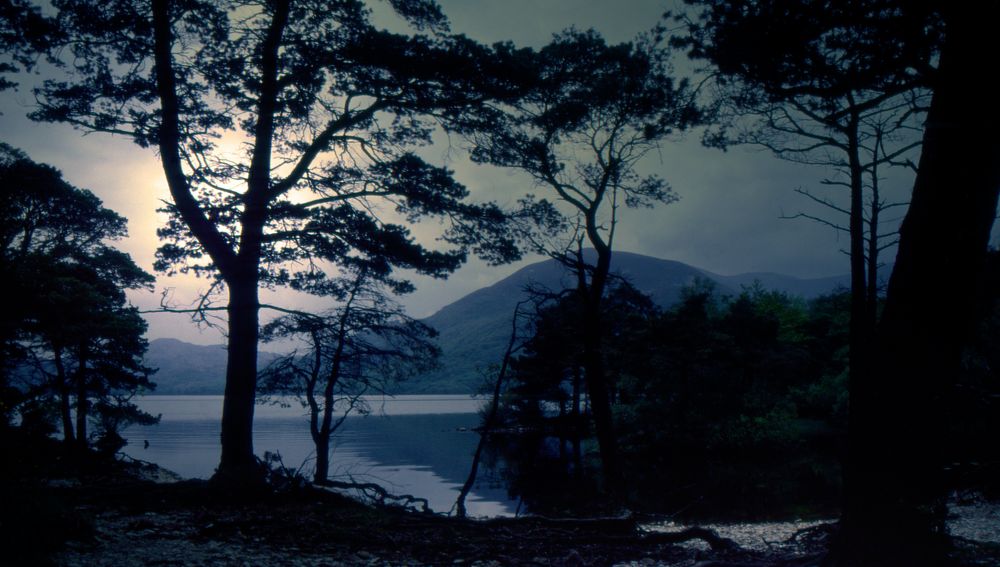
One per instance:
(418, 445)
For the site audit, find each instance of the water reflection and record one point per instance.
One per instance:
(420, 445)
(549, 477)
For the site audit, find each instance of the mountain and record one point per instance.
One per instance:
(474, 330)
(807, 288)
(185, 368)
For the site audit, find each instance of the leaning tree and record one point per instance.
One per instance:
(286, 132)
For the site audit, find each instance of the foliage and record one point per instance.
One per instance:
(731, 377)
(552, 367)
(842, 86)
(592, 113)
(718, 373)
(69, 332)
(287, 133)
(340, 105)
(24, 32)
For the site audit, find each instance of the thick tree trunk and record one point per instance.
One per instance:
(894, 508)
(238, 461)
(322, 473)
(593, 368)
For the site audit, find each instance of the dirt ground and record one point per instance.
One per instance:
(130, 520)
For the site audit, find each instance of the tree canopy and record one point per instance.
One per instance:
(69, 332)
(592, 113)
(288, 134)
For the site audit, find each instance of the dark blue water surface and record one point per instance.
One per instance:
(419, 445)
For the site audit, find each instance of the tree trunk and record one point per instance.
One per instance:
(576, 423)
(894, 507)
(82, 403)
(238, 462)
(322, 442)
(875, 209)
(859, 331)
(489, 421)
(593, 369)
(64, 397)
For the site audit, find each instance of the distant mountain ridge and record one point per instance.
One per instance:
(185, 368)
(473, 330)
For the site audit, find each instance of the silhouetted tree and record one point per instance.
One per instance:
(69, 318)
(327, 109)
(361, 348)
(89, 334)
(491, 412)
(894, 489)
(24, 33)
(594, 111)
(712, 379)
(895, 507)
(833, 84)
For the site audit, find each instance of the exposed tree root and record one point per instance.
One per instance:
(381, 497)
(820, 534)
(714, 540)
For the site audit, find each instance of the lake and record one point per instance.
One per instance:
(423, 445)
(419, 445)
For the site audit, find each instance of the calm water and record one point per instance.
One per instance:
(419, 445)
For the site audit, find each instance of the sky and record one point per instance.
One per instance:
(727, 219)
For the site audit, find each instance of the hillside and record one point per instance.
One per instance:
(474, 330)
(185, 368)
